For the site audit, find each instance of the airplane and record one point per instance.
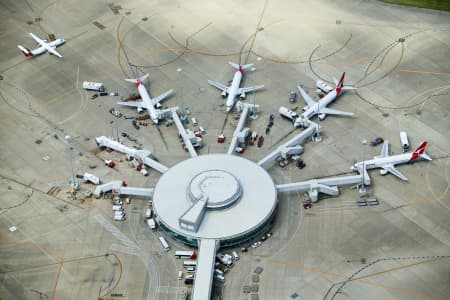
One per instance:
(313, 108)
(233, 90)
(387, 163)
(44, 46)
(147, 102)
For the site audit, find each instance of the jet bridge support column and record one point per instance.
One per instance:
(298, 139)
(183, 134)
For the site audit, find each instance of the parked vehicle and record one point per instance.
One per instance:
(117, 208)
(151, 224)
(194, 121)
(376, 141)
(94, 96)
(292, 97)
(256, 244)
(164, 243)
(235, 255)
(404, 140)
(180, 275)
(93, 86)
(110, 163)
(185, 254)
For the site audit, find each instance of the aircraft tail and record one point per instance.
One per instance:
(240, 67)
(420, 152)
(341, 81)
(141, 79)
(25, 51)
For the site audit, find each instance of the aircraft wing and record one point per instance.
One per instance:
(38, 40)
(330, 111)
(161, 97)
(219, 86)
(385, 149)
(250, 89)
(132, 103)
(391, 169)
(309, 101)
(54, 52)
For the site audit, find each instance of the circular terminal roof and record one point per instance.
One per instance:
(218, 188)
(240, 196)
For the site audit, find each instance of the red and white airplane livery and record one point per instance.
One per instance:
(44, 46)
(147, 102)
(313, 108)
(387, 163)
(233, 90)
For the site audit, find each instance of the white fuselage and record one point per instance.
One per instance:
(378, 162)
(148, 103)
(233, 90)
(322, 103)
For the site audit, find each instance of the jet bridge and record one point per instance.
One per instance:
(290, 146)
(245, 108)
(327, 186)
(182, 131)
(205, 268)
(143, 156)
(118, 188)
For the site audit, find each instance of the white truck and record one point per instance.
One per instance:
(93, 86)
(404, 140)
(151, 224)
(288, 113)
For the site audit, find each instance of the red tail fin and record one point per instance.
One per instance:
(419, 151)
(25, 51)
(341, 81)
(340, 84)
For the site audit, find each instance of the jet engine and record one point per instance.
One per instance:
(140, 109)
(242, 96)
(224, 94)
(383, 172)
(322, 117)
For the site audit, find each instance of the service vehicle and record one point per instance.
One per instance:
(189, 263)
(117, 208)
(164, 243)
(151, 224)
(292, 97)
(404, 140)
(256, 244)
(93, 86)
(185, 254)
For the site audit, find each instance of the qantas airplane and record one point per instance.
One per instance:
(313, 108)
(387, 163)
(147, 102)
(233, 90)
(44, 46)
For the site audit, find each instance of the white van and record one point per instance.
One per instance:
(220, 278)
(235, 255)
(148, 213)
(180, 275)
(151, 224)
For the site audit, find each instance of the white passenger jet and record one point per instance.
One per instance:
(147, 102)
(44, 46)
(233, 90)
(387, 163)
(313, 108)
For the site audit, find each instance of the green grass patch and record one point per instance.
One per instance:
(432, 4)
